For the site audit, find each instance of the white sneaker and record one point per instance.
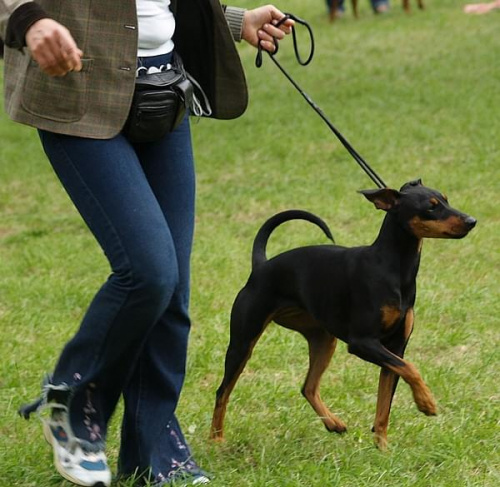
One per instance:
(78, 461)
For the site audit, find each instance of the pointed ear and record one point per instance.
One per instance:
(383, 199)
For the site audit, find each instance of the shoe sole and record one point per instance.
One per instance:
(48, 438)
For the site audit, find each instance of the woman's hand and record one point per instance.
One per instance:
(259, 27)
(53, 48)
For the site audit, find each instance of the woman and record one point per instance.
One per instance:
(70, 70)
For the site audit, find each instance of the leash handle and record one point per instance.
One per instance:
(258, 63)
(298, 20)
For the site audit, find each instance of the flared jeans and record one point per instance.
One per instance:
(138, 202)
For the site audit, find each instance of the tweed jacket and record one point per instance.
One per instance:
(95, 101)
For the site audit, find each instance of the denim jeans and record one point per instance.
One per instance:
(340, 4)
(138, 201)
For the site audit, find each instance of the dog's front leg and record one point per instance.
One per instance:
(421, 393)
(386, 386)
(371, 350)
(388, 382)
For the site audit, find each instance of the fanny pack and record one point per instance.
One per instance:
(161, 98)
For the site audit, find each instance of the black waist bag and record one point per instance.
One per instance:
(159, 104)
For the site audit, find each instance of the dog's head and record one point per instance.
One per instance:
(423, 211)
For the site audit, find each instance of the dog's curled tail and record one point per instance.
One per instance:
(260, 242)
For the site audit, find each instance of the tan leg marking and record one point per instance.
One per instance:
(421, 393)
(384, 399)
(321, 348)
(387, 380)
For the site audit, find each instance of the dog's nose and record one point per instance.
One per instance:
(470, 222)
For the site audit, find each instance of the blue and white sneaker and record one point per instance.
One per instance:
(78, 461)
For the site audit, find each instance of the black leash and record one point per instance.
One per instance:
(258, 62)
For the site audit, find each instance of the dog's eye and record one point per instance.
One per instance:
(434, 204)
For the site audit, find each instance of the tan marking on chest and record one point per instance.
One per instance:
(409, 320)
(390, 316)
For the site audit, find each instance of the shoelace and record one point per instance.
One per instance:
(58, 408)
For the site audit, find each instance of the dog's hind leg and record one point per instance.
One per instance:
(321, 348)
(248, 321)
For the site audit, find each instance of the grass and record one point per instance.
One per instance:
(418, 96)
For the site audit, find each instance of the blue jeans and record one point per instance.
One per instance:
(138, 201)
(374, 4)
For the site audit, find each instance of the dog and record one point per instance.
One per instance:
(334, 8)
(363, 296)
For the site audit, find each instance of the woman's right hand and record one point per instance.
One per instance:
(52, 46)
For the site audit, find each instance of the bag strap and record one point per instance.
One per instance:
(201, 106)
(195, 98)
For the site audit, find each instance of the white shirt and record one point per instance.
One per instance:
(156, 27)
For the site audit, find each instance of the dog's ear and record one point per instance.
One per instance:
(383, 199)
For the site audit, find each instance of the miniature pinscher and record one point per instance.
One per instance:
(363, 296)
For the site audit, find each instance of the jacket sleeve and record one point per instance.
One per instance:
(20, 21)
(234, 17)
(7, 7)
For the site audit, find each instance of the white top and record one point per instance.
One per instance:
(156, 27)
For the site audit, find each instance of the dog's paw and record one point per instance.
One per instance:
(425, 403)
(380, 440)
(334, 425)
(217, 436)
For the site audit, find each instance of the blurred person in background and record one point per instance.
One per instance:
(378, 6)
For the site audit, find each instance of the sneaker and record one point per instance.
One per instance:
(78, 461)
(202, 479)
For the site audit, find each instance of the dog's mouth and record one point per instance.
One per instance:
(454, 229)
(456, 236)
(462, 230)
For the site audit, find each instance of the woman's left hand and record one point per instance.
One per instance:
(259, 27)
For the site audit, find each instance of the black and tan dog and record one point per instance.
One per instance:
(363, 296)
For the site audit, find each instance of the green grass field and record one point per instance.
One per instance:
(418, 95)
